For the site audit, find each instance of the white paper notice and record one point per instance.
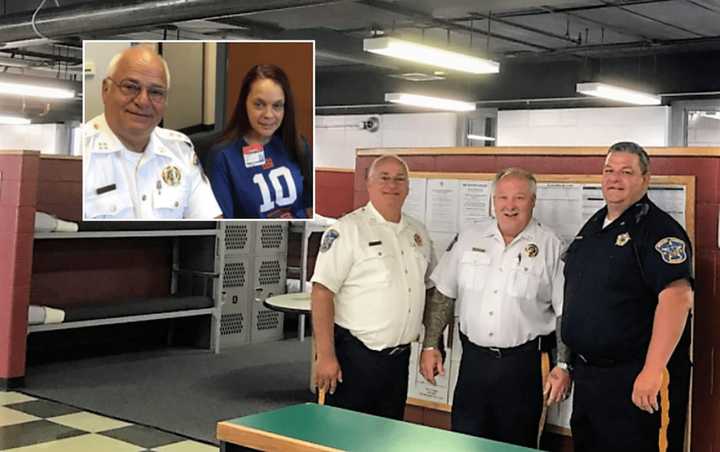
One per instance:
(592, 200)
(560, 206)
(474, 202)
(415, 202)
(671, 200)
(442, 205)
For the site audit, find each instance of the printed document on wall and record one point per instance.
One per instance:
(415, 202)
(474, 202)
(442, 205)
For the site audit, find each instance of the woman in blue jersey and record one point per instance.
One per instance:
(262, 168)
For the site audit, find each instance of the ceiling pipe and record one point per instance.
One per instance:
(93, 17)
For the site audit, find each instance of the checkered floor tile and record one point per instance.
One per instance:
(28, 424)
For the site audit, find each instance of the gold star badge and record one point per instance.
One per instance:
(622, 239)
(171, 175)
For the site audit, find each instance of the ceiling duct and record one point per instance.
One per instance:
(94, 17)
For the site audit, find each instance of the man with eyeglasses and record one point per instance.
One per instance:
(507, 279)
(628, 291)
(133, 169)
(368, 296)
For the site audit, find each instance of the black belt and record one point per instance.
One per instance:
(345, 334)
(500, 352)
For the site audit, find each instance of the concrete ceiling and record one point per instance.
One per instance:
(545, 47)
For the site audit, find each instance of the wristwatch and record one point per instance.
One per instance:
(564, 366)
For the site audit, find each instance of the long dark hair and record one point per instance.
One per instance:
(239, 123)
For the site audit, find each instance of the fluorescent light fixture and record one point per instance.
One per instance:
(13, 120)
(432, 56)
(437, 103)
(480, 137)
(617, 93)
(30, 90)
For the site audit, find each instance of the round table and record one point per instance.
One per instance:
(293, 303)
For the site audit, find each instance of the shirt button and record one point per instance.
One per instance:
(495, 291)
(490, 334)
(144, 197)
(491, 313)
(500, 269)
(177, 203)
(112, 208)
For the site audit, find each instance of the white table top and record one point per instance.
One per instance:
(295, 302)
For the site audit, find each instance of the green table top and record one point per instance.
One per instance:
(352, 431)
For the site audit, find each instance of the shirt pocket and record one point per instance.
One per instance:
(524, 282)
(169, 202)
(473, 270)
(107, 204)
(375, 266)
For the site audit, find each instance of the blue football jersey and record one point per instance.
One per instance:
(257, 181)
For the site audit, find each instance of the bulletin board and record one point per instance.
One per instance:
(447, 202)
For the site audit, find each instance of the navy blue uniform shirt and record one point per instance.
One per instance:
(613, 277)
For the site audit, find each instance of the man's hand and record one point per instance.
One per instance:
(557, 386)
(327, 374)
(646, 389)
(431, 364)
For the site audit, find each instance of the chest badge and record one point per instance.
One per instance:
(622, 239)
(532, 250)
(418, 240)
(171, 175)
(672, 250)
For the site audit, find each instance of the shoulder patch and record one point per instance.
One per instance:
(330, 236)
(672, 250)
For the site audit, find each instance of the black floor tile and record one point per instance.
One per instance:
(43, 408)
(34, 432)
(142, 436)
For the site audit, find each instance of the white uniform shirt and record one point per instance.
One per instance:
(163, 182)
(378, 271)
(506, 295)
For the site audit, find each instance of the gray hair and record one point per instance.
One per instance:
(112, 66)
(371, 170)
(635, 149)
(516, 172)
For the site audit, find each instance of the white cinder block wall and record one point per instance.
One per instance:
(338, 137)
(648, 126)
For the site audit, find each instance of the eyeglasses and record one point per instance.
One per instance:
(387, 180)
(156, 94)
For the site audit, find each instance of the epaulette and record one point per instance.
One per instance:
(173, 135)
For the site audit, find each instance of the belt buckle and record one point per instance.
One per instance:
(496, 350)
(394, 350)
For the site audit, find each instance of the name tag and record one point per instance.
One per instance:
(254, 155)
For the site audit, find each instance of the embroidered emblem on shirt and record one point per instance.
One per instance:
(330, 236)
(672, 250)
(622, 239)
(531, 250)
(418, 240)
(171, 175)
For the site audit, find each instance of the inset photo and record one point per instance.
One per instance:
(198, 130)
